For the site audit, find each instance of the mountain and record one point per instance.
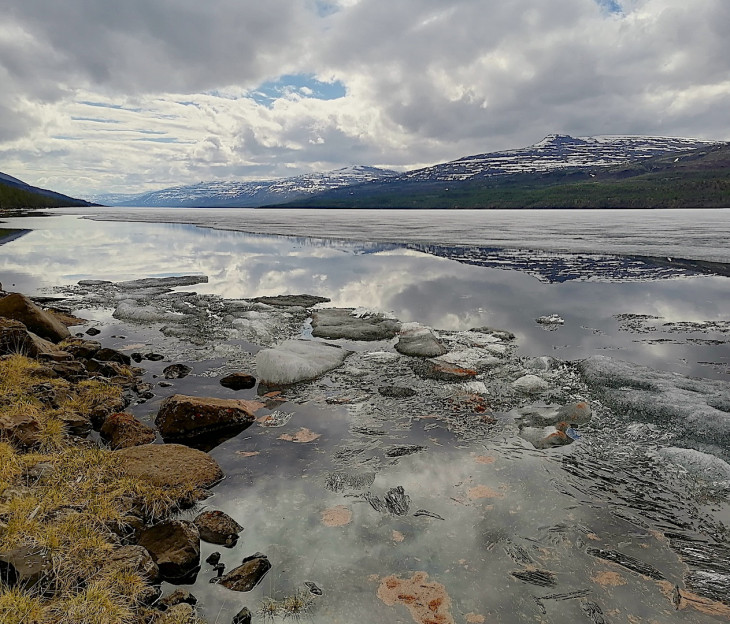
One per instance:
(15, 193)
(245, 194)
(559, 171)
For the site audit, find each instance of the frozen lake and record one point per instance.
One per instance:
(604, 529)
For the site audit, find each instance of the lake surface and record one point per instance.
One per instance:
(500, 510)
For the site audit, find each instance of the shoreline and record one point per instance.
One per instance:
(512, 385)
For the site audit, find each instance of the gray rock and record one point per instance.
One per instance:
(287, 301)
(163, 282)
(419, 342)
(334, 323)
(530, 384)
(24, 566)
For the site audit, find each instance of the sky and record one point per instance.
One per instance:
(101, 96)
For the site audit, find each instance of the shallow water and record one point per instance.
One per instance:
(507, 508)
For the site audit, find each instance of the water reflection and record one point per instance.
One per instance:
(414, 285)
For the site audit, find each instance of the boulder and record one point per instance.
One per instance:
(170, 465)
(217, 527)
(298, 360)
(418, 341)
(123, 430)
(182, 416)
(246, 576)
(20, 308)
(21, 429)
(23, 566)
(288, 301)
(238, 381)
(174, 546)
(334, 323)
(176, 371)
(546, 437)
(71, 371)
(137, 559)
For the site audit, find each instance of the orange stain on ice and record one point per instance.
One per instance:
(336, 516)
(427, 602)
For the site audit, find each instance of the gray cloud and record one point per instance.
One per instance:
(426, 81)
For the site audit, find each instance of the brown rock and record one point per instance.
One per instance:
(20, 308)
(179, 596)
(441, 371)
(21, 429)
(71, 371)
(15, 338)
(170, 465)
(238, 381)
(174, 546)
(112, 355)
(24, 566)
(76, 424)
(123, 430)
(137, 559)
(217, 527)
(245, 577)
(183, 416)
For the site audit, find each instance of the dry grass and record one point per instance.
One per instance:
(67, 512)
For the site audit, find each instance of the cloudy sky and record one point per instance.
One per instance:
(134, 95)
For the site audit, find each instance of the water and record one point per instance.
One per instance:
(506, 508)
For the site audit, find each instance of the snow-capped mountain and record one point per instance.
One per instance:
(260, 193)
(555, 151)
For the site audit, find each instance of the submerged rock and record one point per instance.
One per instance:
(246, 576)
(176, 371)
(19, 308)
(182, 416)
(217, 527)
(397, 392)
(242, 617)
(333, 323)
(238, 381)
(298, 360)
(418, 341)
(441, 371)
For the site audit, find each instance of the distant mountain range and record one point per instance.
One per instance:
(372, 187)
(246, 194)
(559, 171)
(15, 193)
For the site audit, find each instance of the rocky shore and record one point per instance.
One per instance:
(90, 496)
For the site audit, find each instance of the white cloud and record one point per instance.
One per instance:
(423, 83)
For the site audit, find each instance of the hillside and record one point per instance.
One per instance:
(246, 194)
(688, 179)
(15, 193)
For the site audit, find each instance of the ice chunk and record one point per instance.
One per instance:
(419, 341)
(130, 310)
(530, 384)
(702, 464)
(469, 358)
(298, 360)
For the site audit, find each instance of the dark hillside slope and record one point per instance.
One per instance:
(17, 194)
(690, 179)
